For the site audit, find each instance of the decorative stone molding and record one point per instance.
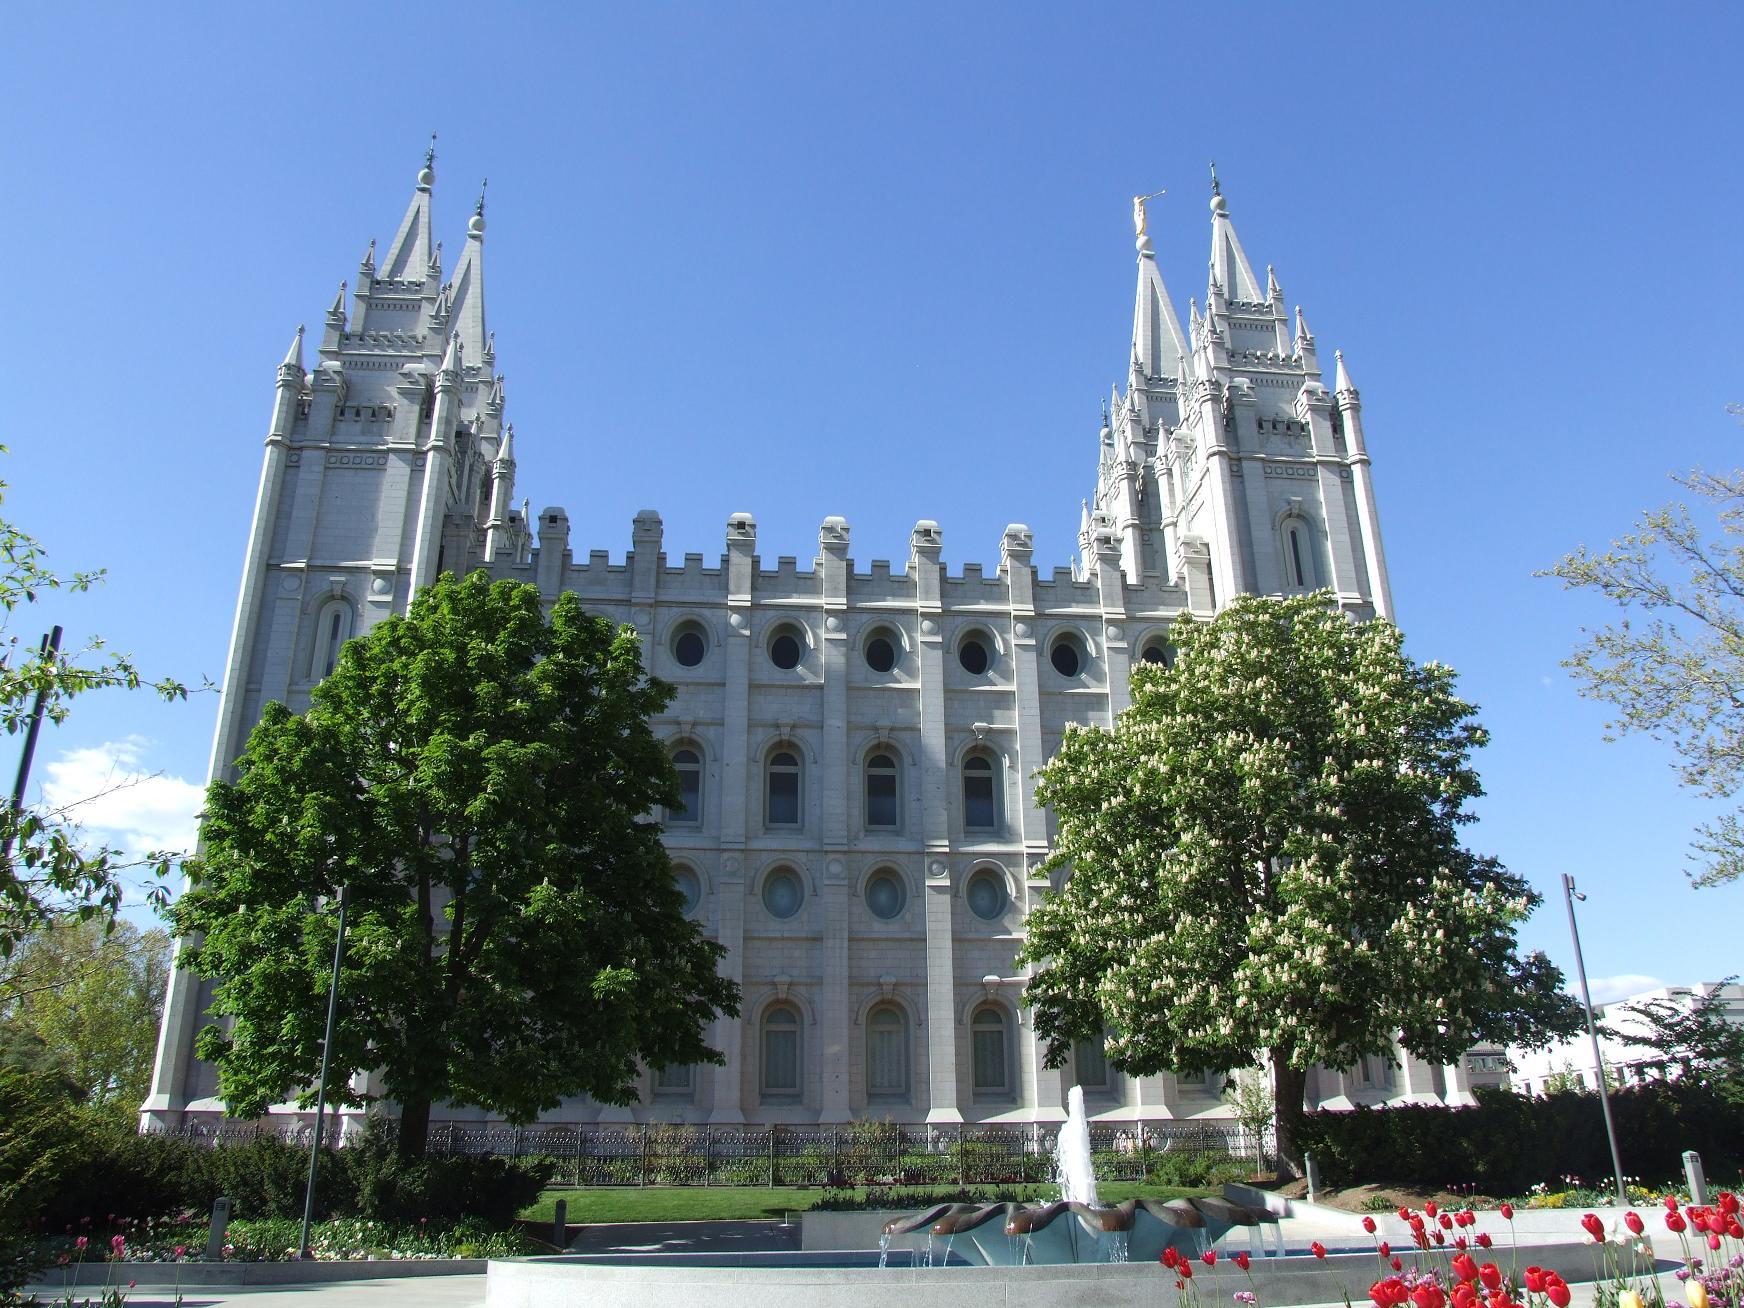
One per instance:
(937, 870)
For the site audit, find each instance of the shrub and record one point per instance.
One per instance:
(489, 1189)
(1508, 1143)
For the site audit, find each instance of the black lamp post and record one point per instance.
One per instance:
(1569, 895)
(321, 1085)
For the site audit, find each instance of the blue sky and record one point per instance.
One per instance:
(807, 259)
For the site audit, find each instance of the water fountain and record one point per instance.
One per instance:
(1076, 1228)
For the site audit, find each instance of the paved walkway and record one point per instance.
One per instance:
(414, 1292)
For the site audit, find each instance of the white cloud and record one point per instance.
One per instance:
(1609, 989)
(110, 791)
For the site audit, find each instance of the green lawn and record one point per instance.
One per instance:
(726, 1203)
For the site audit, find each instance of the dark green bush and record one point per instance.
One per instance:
(491, 1189)
(1508, 1143)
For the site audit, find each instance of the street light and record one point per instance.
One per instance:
(321, 1085)
(1569, 895)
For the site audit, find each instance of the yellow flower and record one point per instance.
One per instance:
(1629, 1299)
(1696, 1293)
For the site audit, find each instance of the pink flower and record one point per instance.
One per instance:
(80, 1243)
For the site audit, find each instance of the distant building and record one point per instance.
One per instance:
(1628, 1062)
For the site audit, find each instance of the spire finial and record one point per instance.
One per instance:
(475, 224)
(294, 355)
(1216, 186)
(479, 209)
(1140, 219)
(428, 175)
(430, 154)
(1218, 204)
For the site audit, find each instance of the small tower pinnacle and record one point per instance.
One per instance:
(294, 355)
(1341, 381)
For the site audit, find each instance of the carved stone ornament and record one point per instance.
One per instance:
(832, 623)
(1113, 632)
(736, 621)
(928, 627)
(937, 869)
(1021, 630)
(291, 583)
(381, 586)
(835, 869)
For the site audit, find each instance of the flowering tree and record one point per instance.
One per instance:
(1264, 858)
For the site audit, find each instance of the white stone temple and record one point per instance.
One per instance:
(857, 741)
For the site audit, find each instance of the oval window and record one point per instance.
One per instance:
(688, 886)
(987, 898)
(1066, 656)
(689, 648)
(784, 651)
(880, 654)
(885, 895)
(974, 656)
(782, 894)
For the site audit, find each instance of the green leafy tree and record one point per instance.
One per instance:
(89, 994)
(1696, 1037)
(47, 868)
(480, 778)
(1264, 859)
(1677, 673)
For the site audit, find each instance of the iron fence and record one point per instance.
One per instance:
(853, 1154)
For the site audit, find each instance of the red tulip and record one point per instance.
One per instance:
(1446, 1222)
(1464, 1267)
(1632, 1222)
(1674, 1223)
(1209, 1257)
(1557, 1293)
(1428, 1295)
(1464, 1296)
(1241, 1260)
(1671, 1203)
(1185, 1270)
(1483, 1238)
(1396, 1264)
(1369, 1225)
(1440, 1239)
(1507, 1211)
(1171, 1257)
(1317, 1249)
(1404, 1214)
(1459, 1242)
(1429, 1209)
(1535, 1279)
(1383, 1248)
(1714, 1243)
(1729, 1203)
(1491, 1276)
(1734, 1227)
(1594, 1227)
(1381, 1294)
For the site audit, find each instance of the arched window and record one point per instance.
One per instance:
(781, 1052)
(1068, 654)
(881, 806)
(782, 807)
(673, 1081)
(886, 1051)
(975, 653)
(688, 811)
(980, 798)
(989, 1059)
(1298, 544)
(881, 649)
(1090, 1066)
(1158, 650)
(332, 630)
(786, 647)
(689, 645)
(987, 895)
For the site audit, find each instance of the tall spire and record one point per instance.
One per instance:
(467, 312)
(1158, 343)
(1341, 381)
(1229, 265)
(409, 256)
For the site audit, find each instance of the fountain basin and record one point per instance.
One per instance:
(847, 1279)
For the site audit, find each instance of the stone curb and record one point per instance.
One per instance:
(191, 1275)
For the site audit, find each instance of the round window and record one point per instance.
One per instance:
(885, 895)
(689, 648)
(688, 886)
(784, 651)
(986, 896)
(880, 654)
(1155, 652)
(1066, 656)
(782, 894)
(974, 655)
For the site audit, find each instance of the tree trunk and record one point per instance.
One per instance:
(414, 1130)
(1288, 1085)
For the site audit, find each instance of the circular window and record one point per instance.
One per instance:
(880, 653)
(782, 894)
(885, 895)
(689, 647)
(784, 650)
(688, 886)
(974, 655)
(1067, 655)
(987, 898)
(1155, 652)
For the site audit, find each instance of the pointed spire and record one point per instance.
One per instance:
(368, 264)
(1083, 517)
(1228, 260)
(1341, 382)
(1302, 332)
(468, 299)
(451, 356)
(1158, 343)
(1274, 292)
(294, 355)
(409, 256)
(336, 310)
(506, 451)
